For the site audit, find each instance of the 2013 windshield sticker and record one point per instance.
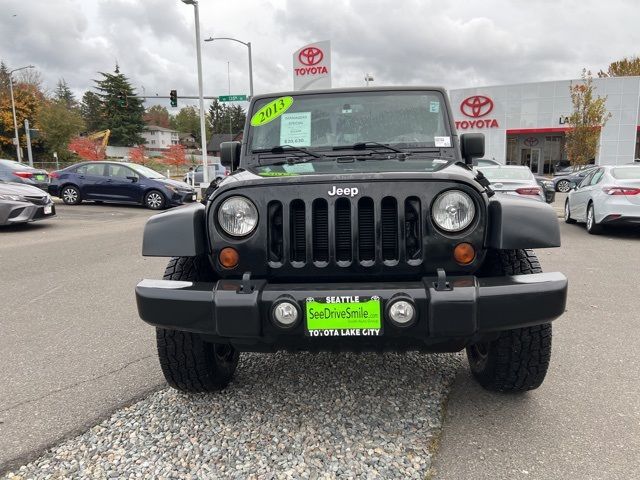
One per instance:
(271, 111)
(295, 129)
(340, 316)
(434, 107)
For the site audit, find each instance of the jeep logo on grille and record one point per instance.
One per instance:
(347, 192)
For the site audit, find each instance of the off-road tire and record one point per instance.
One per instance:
(567, 212)
(518, 359)
(188, 362)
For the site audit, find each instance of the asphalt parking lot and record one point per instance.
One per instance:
(73, 347)
(75, 352)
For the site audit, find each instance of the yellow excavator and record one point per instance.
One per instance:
(102, 135)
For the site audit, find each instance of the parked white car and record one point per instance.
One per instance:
(513, 180)
(608, 195)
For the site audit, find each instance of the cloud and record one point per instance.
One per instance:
(451, 43)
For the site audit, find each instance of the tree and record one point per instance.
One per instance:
(157, 115)
(64, 95)
(175, 156)
(588, 117)
(58, 124)
(86, 148)
(91, 111)
(188, 121)
(136, 154)
(224, 119)
(28, 98)
(626, 67)
(122, 112)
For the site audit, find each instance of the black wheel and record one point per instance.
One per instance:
(593, 227)
(70, 195)
(154, 200)
(567, 212)
(190, 363)
(563, 186)
(517, 360)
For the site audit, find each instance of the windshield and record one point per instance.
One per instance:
(409, 119)
(145, 171)
(626, 173)
(500, 173)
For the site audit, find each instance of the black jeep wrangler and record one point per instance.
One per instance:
(353, 221)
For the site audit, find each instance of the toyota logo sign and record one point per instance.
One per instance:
(310, 56)
(531, 141)
(476, 106)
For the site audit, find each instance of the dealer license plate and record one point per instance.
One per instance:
(40, 178)
(48, 209)
(343, 316)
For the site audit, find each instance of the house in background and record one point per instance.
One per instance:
(159, 138)
(213, 145)
(188, 140)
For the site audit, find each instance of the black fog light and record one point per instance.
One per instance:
(285, 313)
(401, 311)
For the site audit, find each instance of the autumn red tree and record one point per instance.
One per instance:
(175, 156)
(86, 148)
(136, 154)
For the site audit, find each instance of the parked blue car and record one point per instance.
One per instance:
(118, 182)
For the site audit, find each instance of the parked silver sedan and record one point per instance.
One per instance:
(513, 180)
(608, 195)
(20, 203)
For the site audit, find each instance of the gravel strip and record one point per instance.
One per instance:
(307, 416)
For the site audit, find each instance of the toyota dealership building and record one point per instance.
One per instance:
(525, 124)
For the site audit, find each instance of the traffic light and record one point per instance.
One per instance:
(173, 97)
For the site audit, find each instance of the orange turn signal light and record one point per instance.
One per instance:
(464, 253)
(228, 257)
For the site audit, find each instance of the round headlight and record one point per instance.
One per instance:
(453, 211)
(238, 216)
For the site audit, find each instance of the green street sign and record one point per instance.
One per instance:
(232, 98)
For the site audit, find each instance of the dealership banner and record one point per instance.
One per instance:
(312, 66)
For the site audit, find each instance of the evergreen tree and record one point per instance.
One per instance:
(64, 95)
(91, 111)
(226, 119)
(122, 113)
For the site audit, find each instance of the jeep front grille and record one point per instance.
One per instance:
(345, 231)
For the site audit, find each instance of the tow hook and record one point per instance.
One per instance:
(246, 286)
(441, 283)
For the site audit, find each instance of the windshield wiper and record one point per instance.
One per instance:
(365, 145)
(287, 148)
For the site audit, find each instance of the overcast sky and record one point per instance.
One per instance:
(450, 43)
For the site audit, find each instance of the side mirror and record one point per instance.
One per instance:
(471, 146)
(133, 179)
(230, 155)
(573, 185)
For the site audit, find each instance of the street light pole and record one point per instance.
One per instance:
(246, 44)
(203, 128)
(13, 109)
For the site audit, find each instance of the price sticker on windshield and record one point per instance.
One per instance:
(271, 111)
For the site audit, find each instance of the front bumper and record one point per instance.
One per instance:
(21, 212)
(182, 198)
(239, 312)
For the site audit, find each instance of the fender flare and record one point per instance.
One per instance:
(179, 232)
(516, 223)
